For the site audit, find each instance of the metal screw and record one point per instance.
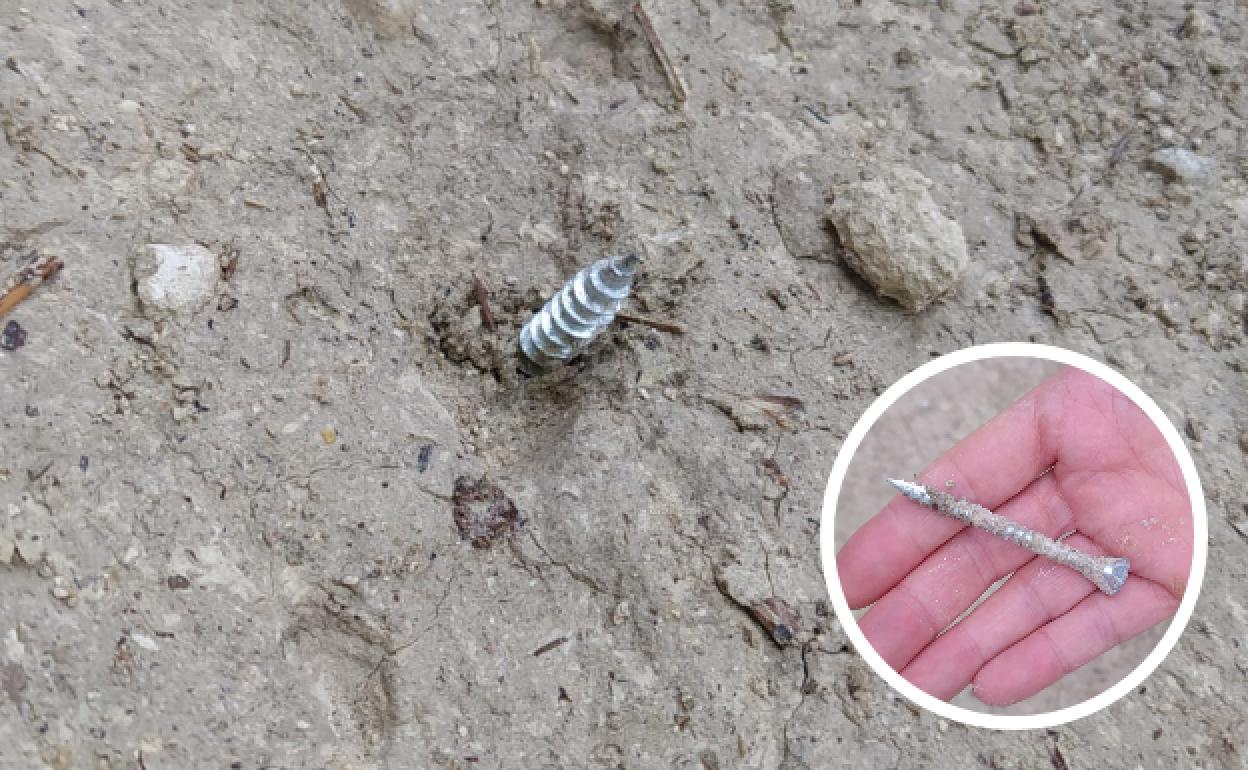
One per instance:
(578, 312)
(1107, 573)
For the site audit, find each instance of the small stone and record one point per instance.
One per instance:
(13, 336)
(58, 757)
(620, 613)
(1179, 164)
(1195, 24)
(145, 641)
(1151, 101)
(897, 238)
(329, 435)
(14, 649)
(1169, 312)
(1155, 75)
(175, 279)
(61, 588)
(178, 582)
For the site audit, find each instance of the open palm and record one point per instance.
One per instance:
(1111, 479)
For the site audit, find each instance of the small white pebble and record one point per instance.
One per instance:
(145, 641)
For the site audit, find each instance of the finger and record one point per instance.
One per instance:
(1034, 595)
(925, 602)
(1096, 624)
(990, 466)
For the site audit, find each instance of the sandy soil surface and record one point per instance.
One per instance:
(228, 496)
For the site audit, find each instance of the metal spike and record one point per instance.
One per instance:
(1107, 573)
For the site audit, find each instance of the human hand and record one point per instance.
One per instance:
(1113, 480)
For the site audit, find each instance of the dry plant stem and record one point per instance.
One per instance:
(669, 69)
(1107, 573)
(28, 280)
(13, 298)
(663, 326)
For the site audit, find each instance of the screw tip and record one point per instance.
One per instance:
(625, 263)
(916, 492)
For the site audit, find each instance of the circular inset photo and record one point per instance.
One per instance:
(1014, 536)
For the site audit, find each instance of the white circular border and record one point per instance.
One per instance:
(1200, 524)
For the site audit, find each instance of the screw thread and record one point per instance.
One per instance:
(576, 314)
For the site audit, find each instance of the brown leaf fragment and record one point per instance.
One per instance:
(482, 297)
(483, 513)
(772, 469)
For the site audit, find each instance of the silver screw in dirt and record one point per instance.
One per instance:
(571, 319)
(1107, 573)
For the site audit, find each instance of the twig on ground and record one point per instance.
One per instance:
(26, 281)
(663, 326)
(660, 52)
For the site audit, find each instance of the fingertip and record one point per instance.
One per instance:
(850, 571)
(992, 694)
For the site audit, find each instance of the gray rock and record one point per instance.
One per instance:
(1178, 164)
(897, 238)
(175, 279)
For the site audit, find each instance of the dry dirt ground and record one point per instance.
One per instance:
(234, 516)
